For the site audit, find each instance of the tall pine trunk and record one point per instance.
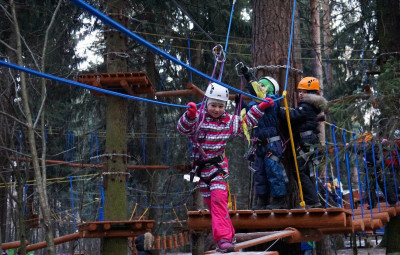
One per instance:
(271, 31)
(115, 207)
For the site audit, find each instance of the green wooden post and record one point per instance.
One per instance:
(115, 170)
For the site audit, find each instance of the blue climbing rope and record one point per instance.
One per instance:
(340, 198)
(78, 84)
(360, 191)
(326, 174)
(376, 175)
(348, 171)
(290, 44)
(383, 172)
(140, 40)
(394, 176)
(227, 39)
(367, 178)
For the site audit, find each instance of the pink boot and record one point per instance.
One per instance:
(224, 245)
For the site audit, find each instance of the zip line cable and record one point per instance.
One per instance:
(142, 41)
(78, 84)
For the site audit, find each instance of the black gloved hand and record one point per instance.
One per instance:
(237, 99)
(244, 69)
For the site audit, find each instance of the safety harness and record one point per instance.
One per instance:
(308, 163)
(199, 165)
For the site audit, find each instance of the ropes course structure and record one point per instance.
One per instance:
(342, 213)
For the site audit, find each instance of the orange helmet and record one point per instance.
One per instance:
(365, 137)
(309, 83)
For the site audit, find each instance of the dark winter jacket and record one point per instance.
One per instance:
(267, 127)
(304, 118)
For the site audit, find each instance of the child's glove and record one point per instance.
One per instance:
(192, 111)
(245, 71)
(264, 105)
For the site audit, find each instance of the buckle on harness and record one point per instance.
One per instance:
(306, 133)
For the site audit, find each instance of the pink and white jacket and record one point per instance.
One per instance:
(213, 134)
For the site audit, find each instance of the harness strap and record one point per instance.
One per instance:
(306, 133)
(213, 161)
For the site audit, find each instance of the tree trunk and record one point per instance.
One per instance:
(388, 17)
(327, 44)
(316, 38)
(40, 178)
(271, 30)
(115, 171)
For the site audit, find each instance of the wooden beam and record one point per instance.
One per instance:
(12, 245)
(276, 219)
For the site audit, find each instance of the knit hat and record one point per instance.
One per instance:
(212, 100)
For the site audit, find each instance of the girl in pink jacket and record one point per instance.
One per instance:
(210, 131)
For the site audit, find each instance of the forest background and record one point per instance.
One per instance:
(355, 54)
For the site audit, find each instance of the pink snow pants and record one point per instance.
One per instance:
(217, 203)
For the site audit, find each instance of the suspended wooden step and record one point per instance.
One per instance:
(261, 240)
(277, 219)
(131, 83)
(101, 229)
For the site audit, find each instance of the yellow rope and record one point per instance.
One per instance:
(186, 207)
(144, 213)
(229, 196)
(302, 203)
(133, 212)
(176, 215)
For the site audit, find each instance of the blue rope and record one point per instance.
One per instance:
(140, 40)
(78, 84)
(326, 174)
(73, 145)
(72, 201)
(101, 213)
(190, 60)
(383, 172)
(340, 198)
(367, 178)
(348, 171)
(360, 191)
(376, 176)
(227, 39)
(290, 44)
(394, 176)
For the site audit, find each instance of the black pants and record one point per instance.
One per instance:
(307, 182)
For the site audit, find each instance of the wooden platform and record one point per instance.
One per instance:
(101, 229)
(277, 219)
(131, 83)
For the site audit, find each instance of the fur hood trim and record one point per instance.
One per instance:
(316, 100)
(148, 241)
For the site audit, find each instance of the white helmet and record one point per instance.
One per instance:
(268, 81)
(217, 91)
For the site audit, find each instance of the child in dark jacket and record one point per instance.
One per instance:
(210, 131)
(269, 176)
(304, 121)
